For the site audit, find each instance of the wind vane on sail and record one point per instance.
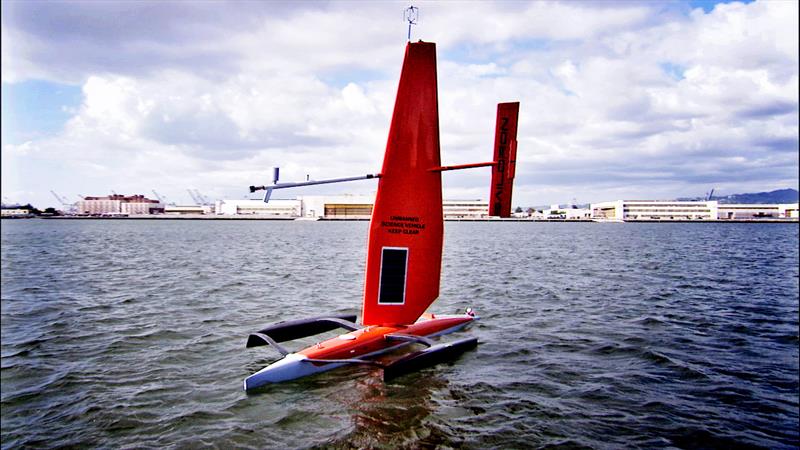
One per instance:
(410, 15)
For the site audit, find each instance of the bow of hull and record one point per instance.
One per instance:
(355, 346)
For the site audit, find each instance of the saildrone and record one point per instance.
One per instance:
(404, 254)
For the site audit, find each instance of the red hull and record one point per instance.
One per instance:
(372, 339)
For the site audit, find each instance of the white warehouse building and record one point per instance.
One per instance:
(360, 207)
(276, 208)
(347, 207)
(465, 209)
(756, 211)
(689, 210)
(569, 212)
(336, 206)
(654, 210)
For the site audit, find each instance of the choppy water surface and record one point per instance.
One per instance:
(131, 334)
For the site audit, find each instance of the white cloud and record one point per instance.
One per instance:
(625, 100)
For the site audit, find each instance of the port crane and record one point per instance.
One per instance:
(68, 207)
(199, 198)
(203, 198)
(194, 197)
(161, 198)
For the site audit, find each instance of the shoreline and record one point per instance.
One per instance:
(358, 219)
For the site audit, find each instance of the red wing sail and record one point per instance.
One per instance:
(505, 155)
(404, 255)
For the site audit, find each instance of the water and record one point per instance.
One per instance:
(131, 334)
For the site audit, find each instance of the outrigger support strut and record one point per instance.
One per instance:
(409, 338)
(296, 329)
(434, 354)
(252, 341)
(365, 362)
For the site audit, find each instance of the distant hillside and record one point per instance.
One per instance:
(779, 196)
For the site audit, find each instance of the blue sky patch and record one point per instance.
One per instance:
(675, 71)
(708, 5)
(34, 109)
(342, 77)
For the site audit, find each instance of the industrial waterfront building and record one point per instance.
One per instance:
(336, 206)
(465, 209)
(621, 210)
(570, 212)
(15, 212)
(359, 207)
(276, 208)
(343, 207)
(758, 211)
(118, 205)
(188, 209)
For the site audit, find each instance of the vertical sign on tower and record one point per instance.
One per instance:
(505, 157)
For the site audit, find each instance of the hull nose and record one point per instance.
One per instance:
(290, 367)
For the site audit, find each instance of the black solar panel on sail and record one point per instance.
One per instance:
(393, 276)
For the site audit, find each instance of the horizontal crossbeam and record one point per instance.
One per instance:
(269, 188)
(463, 166)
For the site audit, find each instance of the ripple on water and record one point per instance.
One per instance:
(592, 335)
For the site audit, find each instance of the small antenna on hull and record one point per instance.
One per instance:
(410, 15)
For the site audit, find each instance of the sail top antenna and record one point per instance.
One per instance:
(410, 15)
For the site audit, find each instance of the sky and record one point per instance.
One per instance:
(619, 99)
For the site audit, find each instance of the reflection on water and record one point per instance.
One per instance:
(389, 415)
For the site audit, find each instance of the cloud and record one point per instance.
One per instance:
(624, 99)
